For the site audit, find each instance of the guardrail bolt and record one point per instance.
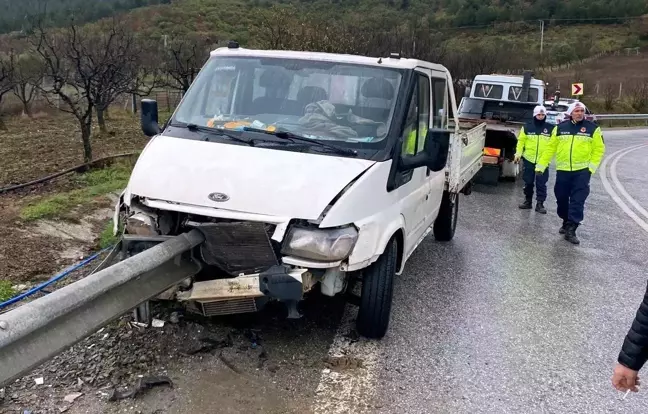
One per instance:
(4, 325)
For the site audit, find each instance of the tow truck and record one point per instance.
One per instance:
(505, 103)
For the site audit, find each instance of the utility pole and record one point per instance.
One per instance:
(541, 35)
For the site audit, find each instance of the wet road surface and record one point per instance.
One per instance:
(509, 317)
(506, 318)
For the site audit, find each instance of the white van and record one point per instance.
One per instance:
(296, 168)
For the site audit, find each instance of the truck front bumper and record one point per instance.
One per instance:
(246, 293)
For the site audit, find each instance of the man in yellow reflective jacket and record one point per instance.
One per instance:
(579, 147)
(532, 141)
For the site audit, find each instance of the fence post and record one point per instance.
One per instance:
(134, 103)
(620, 89)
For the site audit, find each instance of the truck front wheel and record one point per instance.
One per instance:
(446, 222)
(377, 292)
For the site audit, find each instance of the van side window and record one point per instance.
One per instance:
(418, 117)
(439, 103)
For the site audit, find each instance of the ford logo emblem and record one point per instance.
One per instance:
(218, 197)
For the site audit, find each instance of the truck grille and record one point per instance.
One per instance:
(237, 247)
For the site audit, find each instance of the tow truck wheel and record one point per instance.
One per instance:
(446, 222)
(377, 292)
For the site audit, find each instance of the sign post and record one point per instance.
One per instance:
(577, 89)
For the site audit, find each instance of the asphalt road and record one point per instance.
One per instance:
(506, 318)
(509, 317)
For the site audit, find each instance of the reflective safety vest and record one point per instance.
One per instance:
(409, 146)
(532, 140)
(576, 145)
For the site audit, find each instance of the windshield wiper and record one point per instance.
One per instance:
(215, 131)
(296, 137)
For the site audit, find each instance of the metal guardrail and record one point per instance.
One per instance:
(39, 330)
(622, 117)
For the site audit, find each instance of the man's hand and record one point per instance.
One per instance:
(625, 379)
(516, 159)
(539, 172)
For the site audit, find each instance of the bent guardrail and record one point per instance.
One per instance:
(39, 330)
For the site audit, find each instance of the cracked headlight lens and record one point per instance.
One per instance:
(320, 244)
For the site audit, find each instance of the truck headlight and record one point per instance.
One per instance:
(320, 244)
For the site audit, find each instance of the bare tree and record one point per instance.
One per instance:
(639, 95)
(6, 79)
(185, 57)
(120, 56)
(29, 72)
(609, 96)
(76, 61)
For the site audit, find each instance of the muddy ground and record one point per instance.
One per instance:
(48, 143)
(255, 363)
(34, 148)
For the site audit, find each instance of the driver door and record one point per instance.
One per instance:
(414, 189)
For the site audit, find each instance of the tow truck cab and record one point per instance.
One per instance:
(506, 103)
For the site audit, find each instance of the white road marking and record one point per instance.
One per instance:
(349, 390)
(610, 190)
(620, 187)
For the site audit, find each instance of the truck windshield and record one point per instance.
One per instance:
(315, 99)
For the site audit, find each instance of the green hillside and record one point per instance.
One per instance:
(438, 13)
(468, 36)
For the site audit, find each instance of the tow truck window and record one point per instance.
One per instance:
(515, 93)
(488, 90)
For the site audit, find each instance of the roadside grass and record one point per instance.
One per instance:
(93, 184)
(106, 237)
(6, 290)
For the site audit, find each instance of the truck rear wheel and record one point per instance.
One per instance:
(446, 222)
(377, 292)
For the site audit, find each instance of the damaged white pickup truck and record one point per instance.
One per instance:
(302, 170)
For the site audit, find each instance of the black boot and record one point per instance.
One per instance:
(570, 234)
(540, 208)
(527, 205)
(563, 228)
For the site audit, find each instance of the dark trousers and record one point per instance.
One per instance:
(572, 189)
(530, 178)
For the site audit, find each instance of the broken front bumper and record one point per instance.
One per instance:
(245, 293)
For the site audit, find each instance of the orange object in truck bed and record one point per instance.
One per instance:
(493, 152)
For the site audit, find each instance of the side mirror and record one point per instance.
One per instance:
(149, 119)
(434, 154)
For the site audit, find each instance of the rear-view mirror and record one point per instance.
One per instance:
(434, 154)
(149, 119)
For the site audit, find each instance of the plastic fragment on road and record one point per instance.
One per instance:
(71, 397)
(142, 385)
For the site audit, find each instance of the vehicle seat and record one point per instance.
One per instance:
(378, 94)
(310, 94)
(276, 83)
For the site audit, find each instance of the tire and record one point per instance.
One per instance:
(446, 222)
(377, 293)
